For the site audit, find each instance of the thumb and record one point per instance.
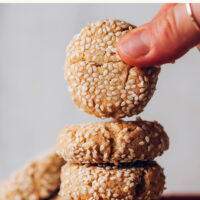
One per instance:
(166, 38)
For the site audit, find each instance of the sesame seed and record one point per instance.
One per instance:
(114, 80)
(94, 58)
(100, 31)
(133, 73)
(108, 98)
(141, 84)
(106, 38)
(141, 143)
(108, 54)
(128, 101)
(147, 139)
(84, 101)
(94, 74)
(102, 147)
(86, 76)
(115, 71)
(90, 104)
(91, 89)
(131, 81)
(92, 51)
(100, 77)
(105, 82)
(130, 92)
(127, 87)
(90, 79)
(119, 87)
(115, 98)
(84, 88)
(123, 103)
(102, 44)
(114, 93)
(102, 108)
(129, 97)
(82, 42)
(125, 129)
(112, 88)
(90, 70)
(107, 28)
(82, 63)
(118, 33)
(117, 103)
(110, 67)
(98, 96)
(123, 91)
(142, 90)
(79, 74)
(105, 72)
(141, 96)
(88, 39)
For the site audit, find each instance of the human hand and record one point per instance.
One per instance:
(169, 35)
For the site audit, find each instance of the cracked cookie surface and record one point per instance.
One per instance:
(112, 142)
(139, 181)
(100, 83)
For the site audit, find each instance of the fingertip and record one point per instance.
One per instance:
(134, 45)
(123, 55)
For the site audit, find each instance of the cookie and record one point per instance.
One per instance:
(139, 181)
(113, 142)
(38, 180)
(100, 83)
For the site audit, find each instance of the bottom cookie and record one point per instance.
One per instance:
(138, 181)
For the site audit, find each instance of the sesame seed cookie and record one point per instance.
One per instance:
(139, 181)
(112, 142)
(100, 83)
(38, 180)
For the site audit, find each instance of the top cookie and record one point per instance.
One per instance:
(100, 83)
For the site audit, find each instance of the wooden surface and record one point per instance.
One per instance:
(181, 197)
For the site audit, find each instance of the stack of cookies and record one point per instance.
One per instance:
(109, 160)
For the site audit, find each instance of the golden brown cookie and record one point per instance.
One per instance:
(113, 142)
(100, 83)
(37, 180)
(139, 181)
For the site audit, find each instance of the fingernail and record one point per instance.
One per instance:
(135, 44)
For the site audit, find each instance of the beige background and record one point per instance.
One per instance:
(35, 104)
